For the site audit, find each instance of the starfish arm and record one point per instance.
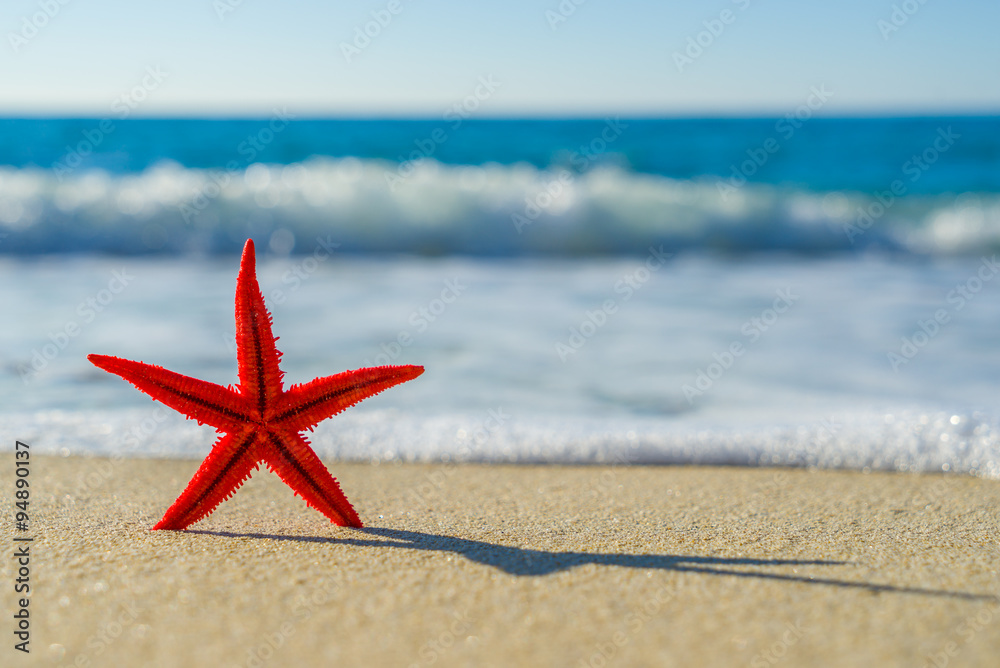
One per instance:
(224, 471)
(288, 454)
(257, 355)
(261, 421)
(200, 400)
(304, 406)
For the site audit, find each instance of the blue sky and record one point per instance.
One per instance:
(233, 57)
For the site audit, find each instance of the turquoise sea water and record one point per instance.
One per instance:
(633, 304)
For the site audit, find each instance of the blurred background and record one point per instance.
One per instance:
(728, 232)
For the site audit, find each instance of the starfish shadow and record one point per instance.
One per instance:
(525, 562)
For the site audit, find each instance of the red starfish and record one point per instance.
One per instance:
(260, 420)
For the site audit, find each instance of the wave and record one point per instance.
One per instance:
(428, 208)
(902, 441)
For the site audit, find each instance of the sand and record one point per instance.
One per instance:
(503, 565)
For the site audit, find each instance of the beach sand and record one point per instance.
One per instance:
(513, 565)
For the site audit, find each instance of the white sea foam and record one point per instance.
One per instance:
(815, 384)
(907, 442)
(490, 209)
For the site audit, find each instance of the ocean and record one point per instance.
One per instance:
(789, 291)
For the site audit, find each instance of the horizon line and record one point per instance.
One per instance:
(887, 114)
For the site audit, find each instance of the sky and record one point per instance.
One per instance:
(231, 58)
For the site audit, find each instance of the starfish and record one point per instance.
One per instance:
(259, 420)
